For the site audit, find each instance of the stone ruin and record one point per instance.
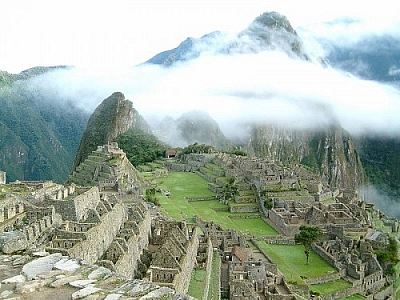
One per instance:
(300, 198)
(100, 217)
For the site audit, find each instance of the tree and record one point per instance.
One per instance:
(150, 196)
(388, 257)
(230, 190)
(307, 236)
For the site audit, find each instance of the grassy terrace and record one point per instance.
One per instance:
(213, 291)
(291, 261)
(184, 185)
(197, 283)
(330, 287)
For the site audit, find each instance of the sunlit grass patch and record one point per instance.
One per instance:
(197, 283)
(184, 185)
(291, 261)
(330, 287)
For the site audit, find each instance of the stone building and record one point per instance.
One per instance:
(175, 258)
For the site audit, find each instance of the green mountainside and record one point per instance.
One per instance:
(381, 161)
(39, 133)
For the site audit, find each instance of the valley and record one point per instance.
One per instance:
(96, 203)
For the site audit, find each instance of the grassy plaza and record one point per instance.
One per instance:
(291, 261)
(184, 185)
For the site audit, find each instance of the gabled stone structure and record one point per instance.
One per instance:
(175, 258)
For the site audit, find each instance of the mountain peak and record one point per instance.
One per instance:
(115, 115)
(269, 31)
(274, 20)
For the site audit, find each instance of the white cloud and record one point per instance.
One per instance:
(105, 40)
(268, 86)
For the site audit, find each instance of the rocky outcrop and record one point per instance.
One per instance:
(52, 276)
(12, 241)
(114, 116)
(329, 152)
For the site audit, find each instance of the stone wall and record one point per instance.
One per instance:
(209, 262)
(244, 209)
(288, 230)
(100, 237)
(85, 202)
(136, 242)
(11, 212)
(324, 255)
(182, 279)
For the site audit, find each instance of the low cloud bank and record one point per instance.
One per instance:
(382, 201)
(234, 89)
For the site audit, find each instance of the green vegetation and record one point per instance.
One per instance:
(184, 185)
(389, 257)
(150, 196)
(315, 155)
(197, 283)
(213, 290)
(290, 261)
(39, 134)
(237, 152)
(197, 148)
(307, 236)
(141, 147)
(229, 191)
(380, 158)
(329, 287)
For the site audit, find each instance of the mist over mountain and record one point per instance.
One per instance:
(261, 87)
(39, 133)
(329, 152)
(371, 56)
(268, 32)
(192, 127)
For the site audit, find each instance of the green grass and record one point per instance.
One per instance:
(330, 287)
(190, 185)
(213, 291)
(291, 261)
(197, 283)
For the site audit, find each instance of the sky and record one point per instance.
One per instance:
(106, 40)
(110, 34)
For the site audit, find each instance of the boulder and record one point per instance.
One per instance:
(13, 241)
(40, 265)
(88, 290)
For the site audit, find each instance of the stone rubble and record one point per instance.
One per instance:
(73, 279)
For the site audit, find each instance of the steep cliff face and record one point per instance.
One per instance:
(329, 152)
(39, 130)
(114, 116)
